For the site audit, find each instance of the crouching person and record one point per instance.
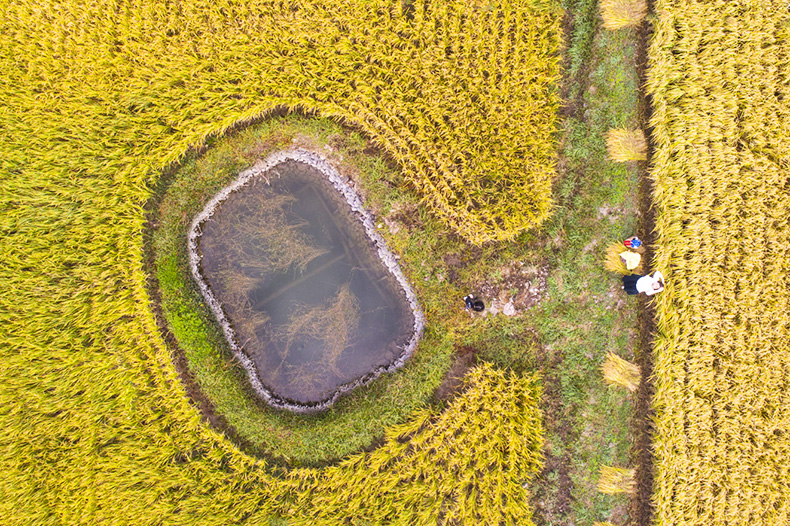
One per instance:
(649, 284)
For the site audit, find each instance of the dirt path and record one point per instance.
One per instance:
(558, 502)
(642, 457)
(553, 502)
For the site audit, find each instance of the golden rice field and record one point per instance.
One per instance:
(719, 76)
(151, 79)
(98, 97)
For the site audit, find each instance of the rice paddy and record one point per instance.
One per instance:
(104, 101)
(719, 81)
(100, 98)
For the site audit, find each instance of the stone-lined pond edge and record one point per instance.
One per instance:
(344, 186)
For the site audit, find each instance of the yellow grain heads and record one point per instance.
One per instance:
(721, 127)
(617, 371)
(626, 145)
(98, 97)
(614, 261)
(618, 14)
(467, 465)
(616, 480)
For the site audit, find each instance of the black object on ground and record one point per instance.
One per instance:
(474, 304)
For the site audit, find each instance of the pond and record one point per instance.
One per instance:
(310, 299)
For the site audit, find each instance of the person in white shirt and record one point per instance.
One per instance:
(649, 284)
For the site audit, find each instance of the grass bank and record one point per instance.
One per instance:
(586, 314)
(357, 420)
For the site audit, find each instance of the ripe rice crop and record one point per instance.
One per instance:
(618, 14)
(719, 77)
(616, 480)
(626, 145)
(468, 466)
(461, 96)
(99, 97)
(617, 371)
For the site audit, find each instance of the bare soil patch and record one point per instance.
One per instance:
(453, 382)
(514, 288)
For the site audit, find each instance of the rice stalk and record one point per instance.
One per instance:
(616, 480)
(618, 14)
(626, 145)
(614, 263)
(617, 371)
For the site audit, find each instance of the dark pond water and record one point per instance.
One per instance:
(301, 284)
